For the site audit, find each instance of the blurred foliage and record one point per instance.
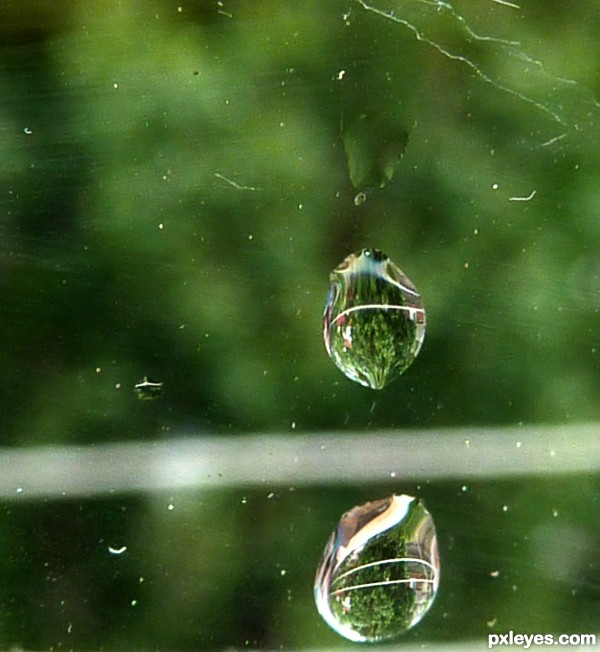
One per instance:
(174, 193)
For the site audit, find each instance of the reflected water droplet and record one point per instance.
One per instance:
(374, 321)
(380, 570)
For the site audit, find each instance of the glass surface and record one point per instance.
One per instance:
(177, 181)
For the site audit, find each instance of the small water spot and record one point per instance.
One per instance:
(380, 570)
(374, 321)
(360, 198)
(117, 551)
(148, 390)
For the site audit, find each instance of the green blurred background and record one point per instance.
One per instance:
(174, 191)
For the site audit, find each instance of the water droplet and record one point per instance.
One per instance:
(380, 570)
(374, 321)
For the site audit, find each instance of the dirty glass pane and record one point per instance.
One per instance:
(177, 182)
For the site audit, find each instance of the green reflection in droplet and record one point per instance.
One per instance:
(374, 321)
(380, 570)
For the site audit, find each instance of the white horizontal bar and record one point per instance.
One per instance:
(298, 459)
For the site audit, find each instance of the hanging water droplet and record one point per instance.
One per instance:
(374, 321)
(380, 570)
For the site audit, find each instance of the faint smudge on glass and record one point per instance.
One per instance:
(374, 321)
(374, 146)
(380, 570)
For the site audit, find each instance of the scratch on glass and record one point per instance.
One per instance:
(509, 48)
(233, 183)
(553, 140)
(506, 4)
(528, 198)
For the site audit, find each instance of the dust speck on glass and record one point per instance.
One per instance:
(374, 321)
(380, 570)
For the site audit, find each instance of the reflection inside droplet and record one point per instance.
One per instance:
(380, 570)
(374, 321)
